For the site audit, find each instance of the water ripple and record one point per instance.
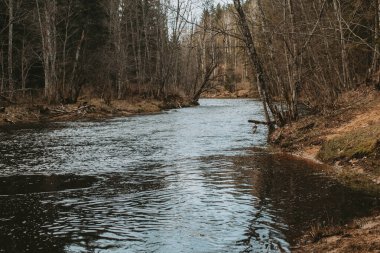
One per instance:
(181, 181)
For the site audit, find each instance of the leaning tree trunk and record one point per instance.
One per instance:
(256, 63)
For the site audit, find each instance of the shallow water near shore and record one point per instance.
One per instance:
(180, 181)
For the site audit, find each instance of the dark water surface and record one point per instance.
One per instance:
(181, 181)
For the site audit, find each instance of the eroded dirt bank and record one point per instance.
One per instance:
(84, 109)
(348, 139)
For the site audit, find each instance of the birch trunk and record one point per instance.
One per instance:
(255, 60)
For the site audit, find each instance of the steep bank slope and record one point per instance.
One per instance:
(348, 139)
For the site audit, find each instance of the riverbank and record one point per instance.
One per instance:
(85, 109)
(240, 90)
(347, 139)
(361, 235)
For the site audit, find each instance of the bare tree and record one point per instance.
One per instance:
(10, 47)
(376, 37)
(344, 56)
(255, 60)
(47, 21)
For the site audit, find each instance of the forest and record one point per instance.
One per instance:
(291, 51)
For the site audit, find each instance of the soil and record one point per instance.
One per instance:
(84, 109)
(240, 90)
(361, 235)
(355, 122)
(357, 110)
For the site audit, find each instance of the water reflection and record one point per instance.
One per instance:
(24, 184)
(22, 225)
(175, 182)
(292, 192)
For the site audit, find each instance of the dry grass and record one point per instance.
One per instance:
(98, 110)
(354, 144)
(361, 236)
(318, 232)
(348, 139)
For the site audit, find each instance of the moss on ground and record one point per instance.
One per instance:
(356, 144)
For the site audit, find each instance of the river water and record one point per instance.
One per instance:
(180, 181)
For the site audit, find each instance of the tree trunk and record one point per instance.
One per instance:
(344, 56)
(205, 81)
(49, 48)
(294, 66)
(10, 49)
(375, 61)
(2, 85)
(255, 60)
(74, 86)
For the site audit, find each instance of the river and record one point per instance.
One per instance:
(180, 181)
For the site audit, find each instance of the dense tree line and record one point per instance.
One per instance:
(51, 45)
(309, 51)
(298, 52)
(110, 48)
(294, 51)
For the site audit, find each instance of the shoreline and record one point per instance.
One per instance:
(18, 115)
(347, 143)
(297, 139)
(358, 235)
